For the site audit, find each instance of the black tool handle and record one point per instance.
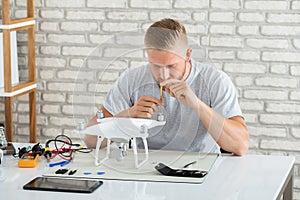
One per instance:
(168, 171)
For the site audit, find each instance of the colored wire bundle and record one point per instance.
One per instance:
(64, 148)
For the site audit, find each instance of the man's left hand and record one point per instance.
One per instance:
(181, 91)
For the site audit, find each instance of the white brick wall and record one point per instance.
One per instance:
(279, 68)
(276, 82)
(245, 68)
(222, 29)
(268, 43)
(63, 38)
(65, 3)
(283, 18)
(49, 26)
(77, 51)
(295, 70)
(251, 17)
(115, 26)
(265, 94)
(226, 4)
(221, 16)
(50, 50)
(191, 4)
(233, 42)
(281, 56)
(248, 55)
(296, 5)
(52, 14)
(268, 131)
(85, 15)
(53, 97)
(79, 26)
(50, 62)
(273, 30)
(266, 5)
(255, 42)
(107, 4)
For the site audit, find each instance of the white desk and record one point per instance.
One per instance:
(238, 178)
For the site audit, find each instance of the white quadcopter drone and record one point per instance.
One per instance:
(122, 129)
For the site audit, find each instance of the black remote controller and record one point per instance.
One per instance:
(168, 171)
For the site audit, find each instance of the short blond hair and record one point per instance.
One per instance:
(166, 34)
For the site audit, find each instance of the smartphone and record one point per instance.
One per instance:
(62, 185)
(168, 171)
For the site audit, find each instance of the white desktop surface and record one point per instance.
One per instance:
(235, 178)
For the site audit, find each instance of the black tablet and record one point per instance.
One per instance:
(62, 185)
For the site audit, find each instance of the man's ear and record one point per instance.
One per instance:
(189, 53)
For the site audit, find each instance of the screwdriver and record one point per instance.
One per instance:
(161, 93)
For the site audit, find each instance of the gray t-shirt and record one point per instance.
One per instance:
(183, 130)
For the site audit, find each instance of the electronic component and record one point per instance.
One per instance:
(168, 171)
(121, 151)
(100, 114)
(28, 161)
(61, 171)
(47, 154)
(72, 172)
(37, 148)
(22, 151)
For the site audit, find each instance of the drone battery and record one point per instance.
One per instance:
(28, 161)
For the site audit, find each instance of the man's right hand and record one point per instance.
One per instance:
(144, 107)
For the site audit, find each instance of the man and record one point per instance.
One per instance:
(200, 102)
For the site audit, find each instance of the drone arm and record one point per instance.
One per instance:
(135, 153)
(99, 141)
(134, 148)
